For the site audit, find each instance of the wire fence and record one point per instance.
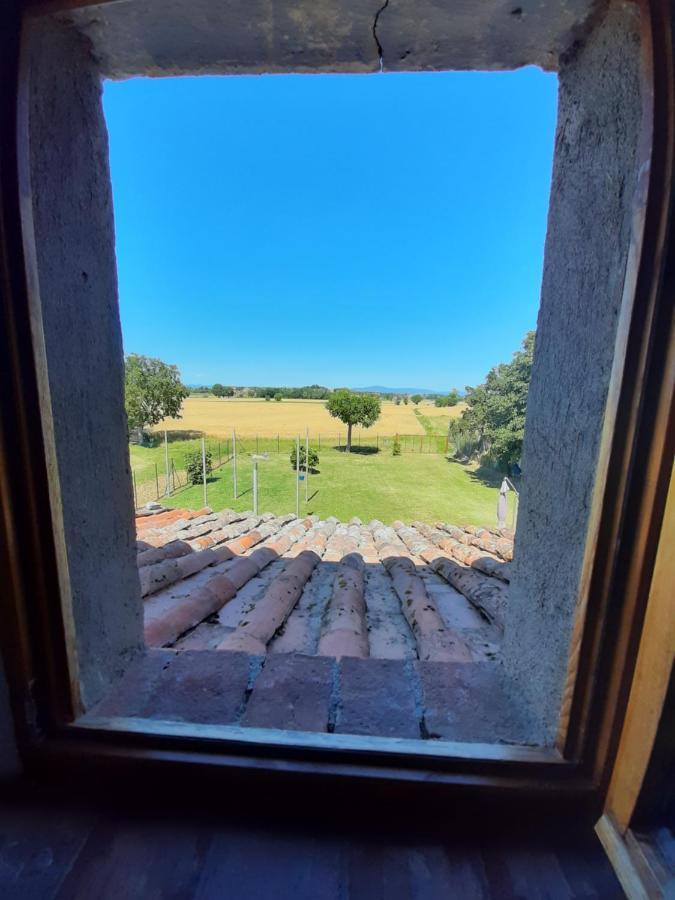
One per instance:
(166, 473)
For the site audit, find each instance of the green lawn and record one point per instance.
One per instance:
(412, 486)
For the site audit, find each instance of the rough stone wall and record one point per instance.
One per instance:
(74, 235)
(594, 179)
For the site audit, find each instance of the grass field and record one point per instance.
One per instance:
(378, 485)
(288, 418)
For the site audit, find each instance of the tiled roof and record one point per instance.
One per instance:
(277, 584)
(320, 626)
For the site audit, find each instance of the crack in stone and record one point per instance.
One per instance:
(377, 40)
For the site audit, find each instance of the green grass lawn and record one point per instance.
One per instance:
(412, 486)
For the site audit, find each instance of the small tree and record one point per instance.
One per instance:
(416, 399)
(193, 466)
(313, 458)
(354, 409)
(278, 397)
(218, 390)
(152, 391)
(405, 400)
(396, 449)
(228, 392)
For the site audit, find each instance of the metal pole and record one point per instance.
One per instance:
(256, 443)
(297, 477)
(234, 462)
(204, 468)
(157, 481)
(306, 465)
(167, 486)
(255, 487)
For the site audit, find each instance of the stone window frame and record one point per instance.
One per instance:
(59, 688)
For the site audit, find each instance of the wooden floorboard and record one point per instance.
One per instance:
(50, 849)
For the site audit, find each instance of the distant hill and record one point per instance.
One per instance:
(380, 389)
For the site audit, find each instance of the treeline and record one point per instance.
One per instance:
(308, 392)
(318, 392)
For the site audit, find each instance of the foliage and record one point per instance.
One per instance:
(278, 397)
(309, 392)
(405, 400)
(354, 409)
(152, 391)
(313, 458)
(218, 390)
(451, 399)
(193, 466)
(396, 448)
(416, 398)
(496, 408)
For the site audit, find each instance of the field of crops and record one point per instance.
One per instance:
(290, 417)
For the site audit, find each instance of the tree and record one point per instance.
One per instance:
(405, 400)
(218, 390)
(152, 391)
(194, 465)
(353, 409)
(278, 397)
(416, 399)
(453, 397)
(496, 408)
(228, 392)
(313, 458)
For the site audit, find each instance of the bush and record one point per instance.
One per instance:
(278, 397)
(193, 466)
(313, 458)
(396, 449)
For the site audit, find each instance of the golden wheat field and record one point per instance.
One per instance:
(288, 418)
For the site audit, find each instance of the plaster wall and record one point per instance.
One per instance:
(75, 241)
(589, 227)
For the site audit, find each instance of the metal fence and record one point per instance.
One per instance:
(166, 474)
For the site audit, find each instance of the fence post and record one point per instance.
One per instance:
(220, 459)
(297, 477)
(306, 465)
(234, 462)
(133, 479)
(255, 487)
(156, 481)
(256, 443)
(167, 486)
(204, 468)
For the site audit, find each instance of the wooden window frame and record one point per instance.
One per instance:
(620, 553)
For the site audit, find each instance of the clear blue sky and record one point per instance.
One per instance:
(346, 230)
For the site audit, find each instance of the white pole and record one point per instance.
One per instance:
(306, 465)
(234, 462)
(297, 477)
(255, 487)
(167, 486)
(204, 468)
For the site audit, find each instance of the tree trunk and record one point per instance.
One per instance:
(348, 448)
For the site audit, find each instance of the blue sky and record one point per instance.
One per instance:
(340, 229)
